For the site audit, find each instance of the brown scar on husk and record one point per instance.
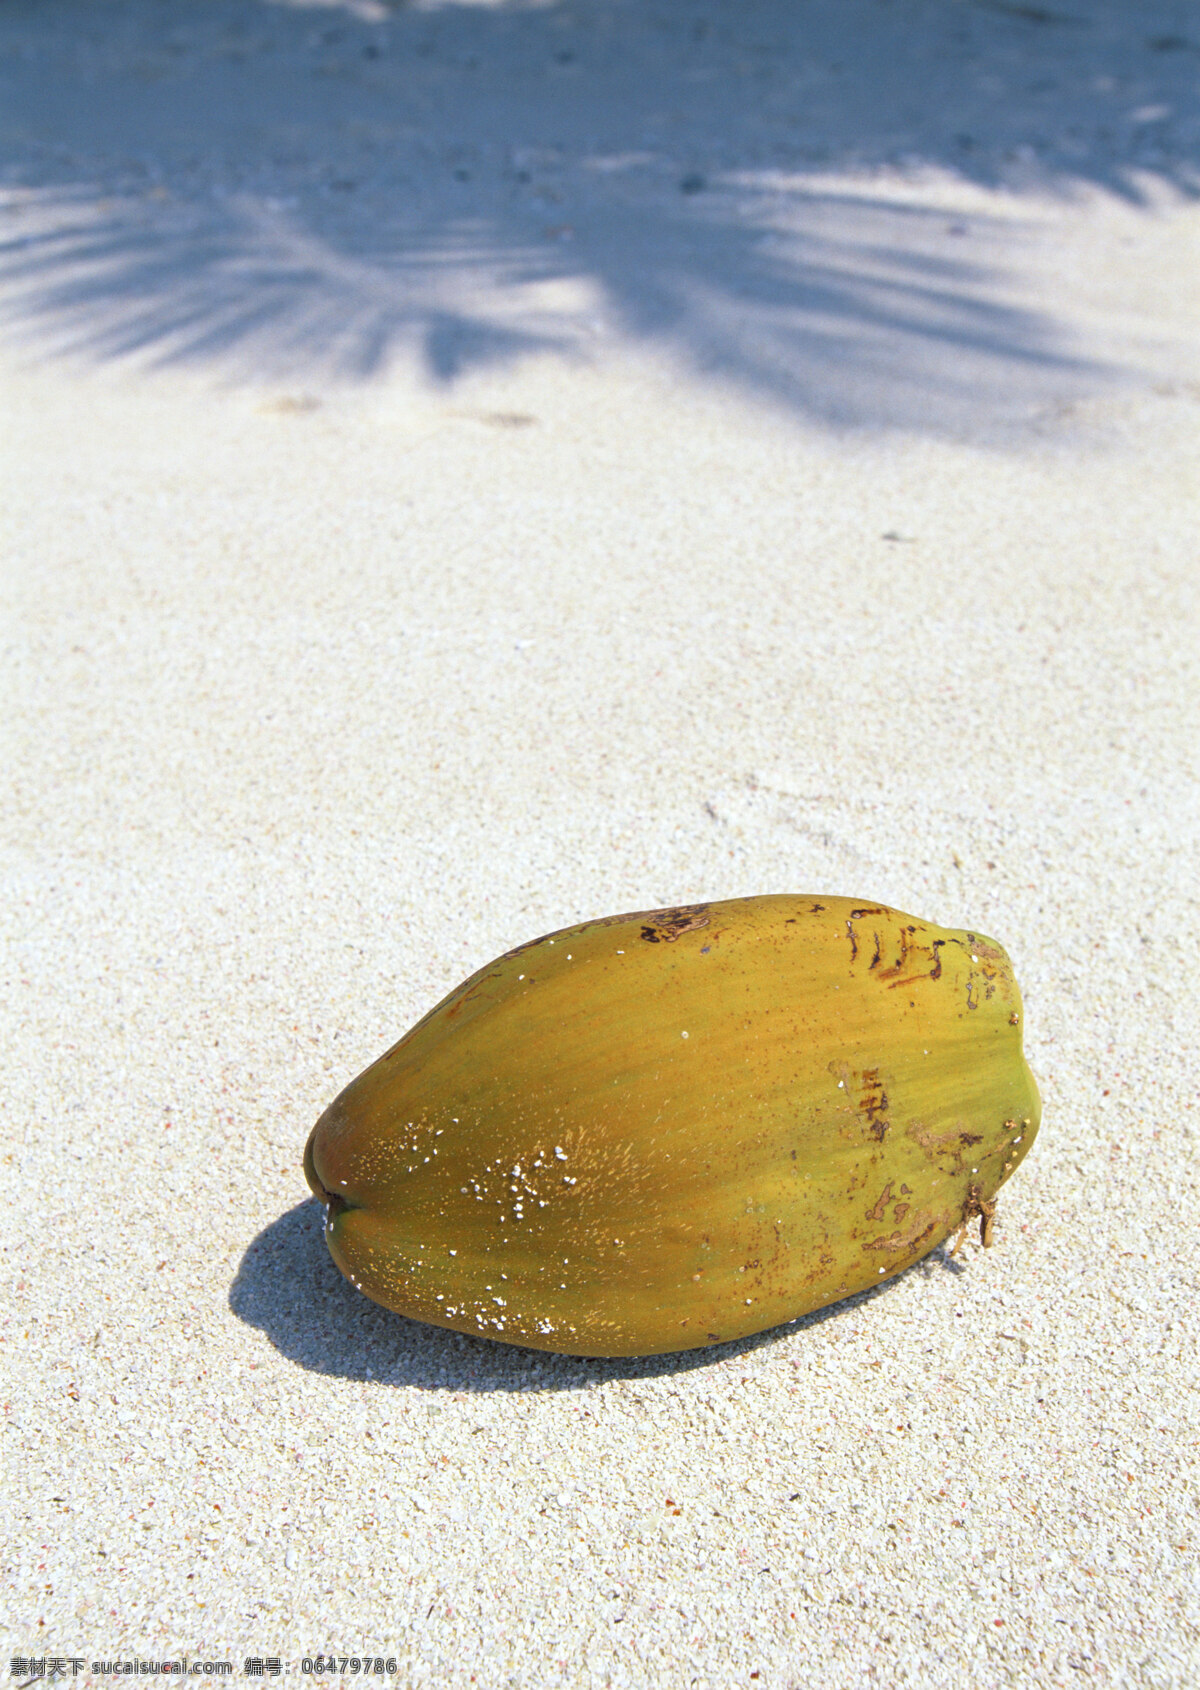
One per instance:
(985, 1207)
(905, 1241)
(667, 925)
(876, 1213)
(952, 1144)
(874, 1103)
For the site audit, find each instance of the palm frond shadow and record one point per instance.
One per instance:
(282, 189)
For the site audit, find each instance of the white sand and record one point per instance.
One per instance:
(392, 578)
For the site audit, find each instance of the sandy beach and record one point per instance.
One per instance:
(471, 468)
